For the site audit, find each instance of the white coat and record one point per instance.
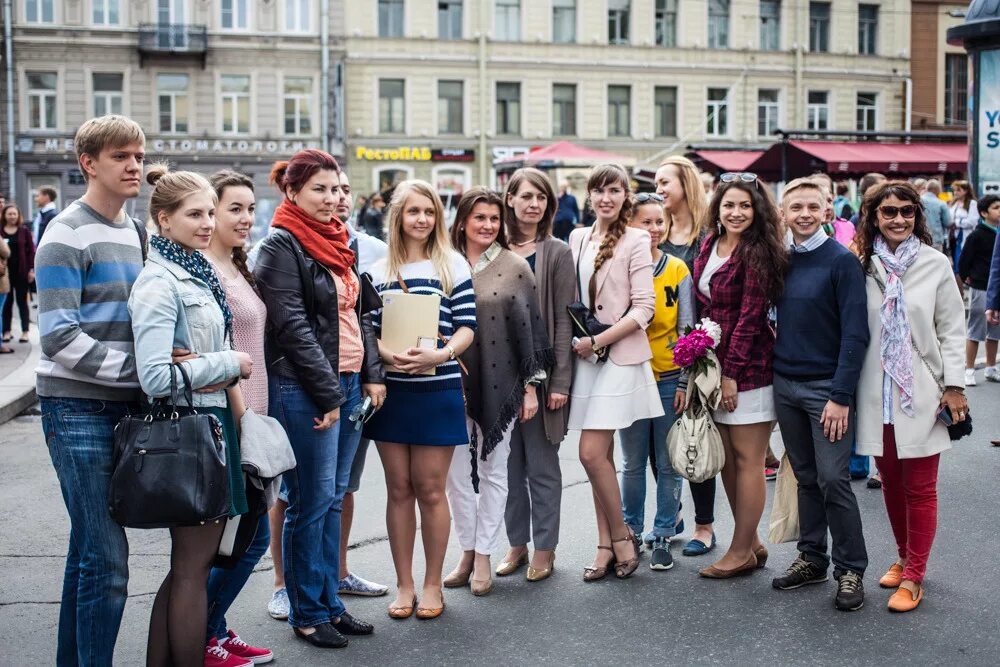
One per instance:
(937, 319)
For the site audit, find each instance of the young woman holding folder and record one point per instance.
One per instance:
(423, 418)
(322, 360)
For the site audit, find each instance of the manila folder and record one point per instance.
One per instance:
(407, 318)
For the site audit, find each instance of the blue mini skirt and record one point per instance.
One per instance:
(412, 415)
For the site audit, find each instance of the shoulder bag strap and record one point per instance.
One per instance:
(406, 290)
(143, 239)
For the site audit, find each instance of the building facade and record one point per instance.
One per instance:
(215, 84)
(439, 89)
(940, 71)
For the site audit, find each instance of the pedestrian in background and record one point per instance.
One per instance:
(912, 370)
(673, 314)
(508, 359)
(685, 210)
(45, 200)
(86, 378)
(423, 419)
(4, 284)
(372, 218)
(567, 213)
(234, 216)
(821, 341)
(20, 270)
(322, 360)
(867, 181)
(534, 477)
(615, 281)
(964, 215)
(938, 215)
(974, 271)
(739, 271)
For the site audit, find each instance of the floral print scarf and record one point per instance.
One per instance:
(897, 340)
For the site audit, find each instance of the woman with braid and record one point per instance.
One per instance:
(614, 273)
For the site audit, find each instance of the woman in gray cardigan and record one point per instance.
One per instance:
(534, 493)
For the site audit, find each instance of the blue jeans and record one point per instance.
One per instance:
(311, 539)
(635, 441)
(224, 585)
(79, 434)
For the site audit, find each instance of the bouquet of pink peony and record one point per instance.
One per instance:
(695, 350)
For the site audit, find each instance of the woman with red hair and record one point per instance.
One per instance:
(322, 359)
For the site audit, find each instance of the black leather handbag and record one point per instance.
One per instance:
(585, 323)
(170, 465)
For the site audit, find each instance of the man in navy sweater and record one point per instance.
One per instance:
(821, 343)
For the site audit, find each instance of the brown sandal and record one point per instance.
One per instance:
(597, 573)
(625, 568)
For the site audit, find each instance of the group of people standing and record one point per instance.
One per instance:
(468, 427)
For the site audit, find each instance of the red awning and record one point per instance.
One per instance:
(563, 154)
(803, 158)
(719, 160)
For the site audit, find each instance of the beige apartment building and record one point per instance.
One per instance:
(439, 89)
(215, 83)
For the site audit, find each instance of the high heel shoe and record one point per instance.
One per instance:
(507, 567)
(541, 573)
(591, 573)
(625, 568)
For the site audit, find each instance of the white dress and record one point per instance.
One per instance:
(753, 406)
(607, 396)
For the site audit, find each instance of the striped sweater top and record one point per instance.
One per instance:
(84, 269)
(458, 309)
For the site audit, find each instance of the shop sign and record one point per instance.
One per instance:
(400, 154)
(453, 155)
(195, 146)
(506, 152)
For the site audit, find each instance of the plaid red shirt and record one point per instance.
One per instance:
(739, 305)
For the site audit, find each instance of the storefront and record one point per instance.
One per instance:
(51, 161)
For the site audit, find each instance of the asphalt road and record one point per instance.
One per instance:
(671, 617)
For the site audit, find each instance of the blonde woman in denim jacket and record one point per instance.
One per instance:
(177, 304)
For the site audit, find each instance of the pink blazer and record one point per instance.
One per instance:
(624, 283)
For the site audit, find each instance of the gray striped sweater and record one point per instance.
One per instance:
(84, 269)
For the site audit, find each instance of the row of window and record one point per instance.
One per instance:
(174, 103)
(451, 110)
(233, 14)
(507, 22)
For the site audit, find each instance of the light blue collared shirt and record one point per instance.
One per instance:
(810, 244)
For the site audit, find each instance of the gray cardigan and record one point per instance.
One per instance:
(556, 290)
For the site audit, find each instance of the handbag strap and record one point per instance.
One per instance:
(406, 290)
(913, 343)
(579, 256)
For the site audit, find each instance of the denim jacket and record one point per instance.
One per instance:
(170, 309)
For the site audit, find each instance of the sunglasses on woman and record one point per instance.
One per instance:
(733, 176)
(644, 197)
(890, 212)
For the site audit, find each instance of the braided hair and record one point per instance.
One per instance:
(221, 180)
(603, 176)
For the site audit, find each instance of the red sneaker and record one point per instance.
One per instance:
(216, 656)
(238, 647)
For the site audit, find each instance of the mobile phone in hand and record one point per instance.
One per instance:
(944, 416)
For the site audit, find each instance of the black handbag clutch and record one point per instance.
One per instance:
(170, 465)
(371, 300)
(585, 323)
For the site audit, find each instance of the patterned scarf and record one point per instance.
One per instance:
(195, 263)
(896, 343)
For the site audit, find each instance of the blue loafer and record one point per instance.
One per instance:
(698, 548)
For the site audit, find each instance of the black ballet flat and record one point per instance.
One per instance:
(326, 636)
(348, 625)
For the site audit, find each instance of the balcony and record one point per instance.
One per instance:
(172, 40)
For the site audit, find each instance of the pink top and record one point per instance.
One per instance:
(249, 318)
(352, 350)
(843, 232)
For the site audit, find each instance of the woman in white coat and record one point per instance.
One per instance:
(912, 370)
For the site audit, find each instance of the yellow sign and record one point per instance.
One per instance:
(405, 153)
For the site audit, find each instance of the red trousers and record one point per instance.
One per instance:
(910, 490)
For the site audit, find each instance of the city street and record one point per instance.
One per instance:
(671, 617)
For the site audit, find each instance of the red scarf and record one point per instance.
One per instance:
(326, 242)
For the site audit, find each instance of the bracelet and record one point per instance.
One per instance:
(451, 352)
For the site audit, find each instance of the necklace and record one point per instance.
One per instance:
(523, 243)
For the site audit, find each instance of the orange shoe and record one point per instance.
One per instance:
(904, 600)
(893, 578)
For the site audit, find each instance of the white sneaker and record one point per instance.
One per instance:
(970, 377)
(992, 374)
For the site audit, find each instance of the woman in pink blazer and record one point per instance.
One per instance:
(614, 274)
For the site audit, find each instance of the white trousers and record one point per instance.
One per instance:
(478, 518)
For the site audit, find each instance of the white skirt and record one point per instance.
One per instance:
(609, 397)
(752, 407)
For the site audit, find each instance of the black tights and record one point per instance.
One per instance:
(180, 610)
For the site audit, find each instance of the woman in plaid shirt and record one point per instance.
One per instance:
(738, 273)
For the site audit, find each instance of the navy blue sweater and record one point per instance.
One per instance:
(823, 320)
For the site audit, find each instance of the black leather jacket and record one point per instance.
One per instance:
(303, 328)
